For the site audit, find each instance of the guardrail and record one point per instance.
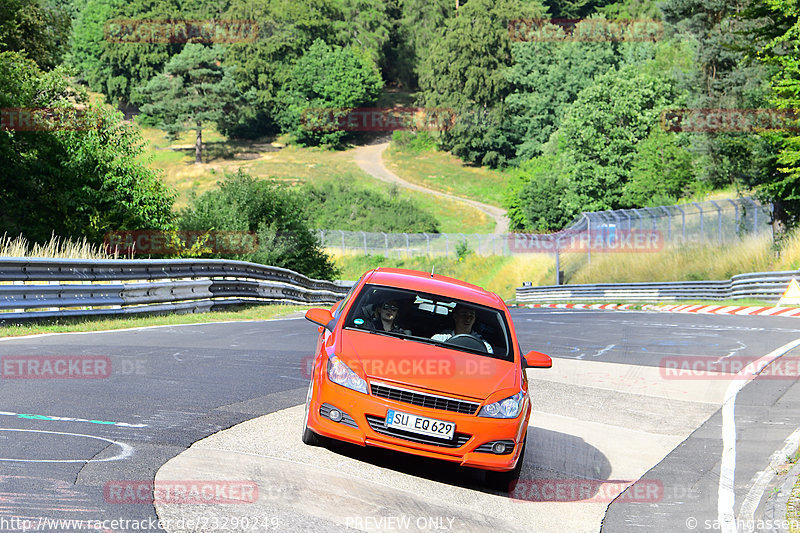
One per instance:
(768, 286)
(42, 288)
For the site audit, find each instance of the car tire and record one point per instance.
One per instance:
(309, 437)
(506, 481)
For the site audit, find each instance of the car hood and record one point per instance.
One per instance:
(426, 366)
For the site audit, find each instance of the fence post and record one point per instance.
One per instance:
(408, 252)
(342, 232)
(385, 244)
(365, 243)
(735, 215)
(702, 229)
(446, 245)
(755, 216)
(428, 243)
(669, 223)
(719, 220)
(589, 238)
(683, 222)
(641, 219)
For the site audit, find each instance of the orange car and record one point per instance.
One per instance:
(422, 364)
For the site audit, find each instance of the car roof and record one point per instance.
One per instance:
(433, 283)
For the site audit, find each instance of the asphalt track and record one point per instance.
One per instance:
(605, 411)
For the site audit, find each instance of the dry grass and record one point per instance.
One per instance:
(56, 247)
(675, 263)
(499, 274)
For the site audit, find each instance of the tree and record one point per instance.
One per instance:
(662, 171)
(420, 22)
(535, 194)
(600, 134)
(725, 77)
(327, 82)
(776, 45)
(464, 71)
(193, 90)
(287, 29)
(82, 178)
(273, 212)
(546, 79)
(366, 26)
(38, 29)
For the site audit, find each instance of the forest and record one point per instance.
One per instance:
(573, 100)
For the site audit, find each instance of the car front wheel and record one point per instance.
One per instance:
(506, 481)
(309, 437)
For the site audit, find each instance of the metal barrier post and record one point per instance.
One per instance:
(719, 220)
(669, 223)
(702, 229)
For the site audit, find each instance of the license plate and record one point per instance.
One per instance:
(420, 424)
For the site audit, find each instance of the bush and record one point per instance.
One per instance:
(345, 207)
(276, 215)
(414, 142)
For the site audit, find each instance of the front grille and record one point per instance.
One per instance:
(347, 420)
(424, 400)
(378, 425)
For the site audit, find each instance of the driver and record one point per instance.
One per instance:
(464, 319)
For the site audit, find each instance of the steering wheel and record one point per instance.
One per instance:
(465, 340)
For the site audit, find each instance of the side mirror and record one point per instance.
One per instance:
(535, 359)
(322, 317)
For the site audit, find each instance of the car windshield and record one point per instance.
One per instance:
(432, 319)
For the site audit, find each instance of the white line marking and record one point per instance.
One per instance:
(604, 350)
(35, 335)
(762, 479)
(742, 346)
(126, 450)
(725, 496)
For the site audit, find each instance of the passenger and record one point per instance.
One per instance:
(387, 316)
(464, 319)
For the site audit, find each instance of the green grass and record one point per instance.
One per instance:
(445, 172)
(499, 274)
(258, 312)
(271, 159)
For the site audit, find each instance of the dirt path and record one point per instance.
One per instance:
(370, 159)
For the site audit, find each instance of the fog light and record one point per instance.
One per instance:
(499, 448)
(335, 415)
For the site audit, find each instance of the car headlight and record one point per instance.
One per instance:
(341, 374)
(507, 408)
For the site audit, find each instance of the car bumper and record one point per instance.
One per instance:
(365, 413)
